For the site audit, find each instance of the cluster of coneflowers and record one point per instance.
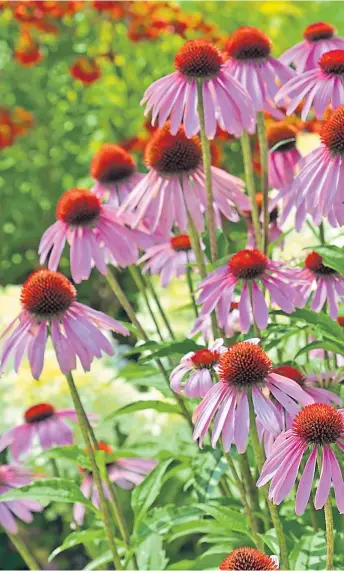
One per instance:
(161, 219)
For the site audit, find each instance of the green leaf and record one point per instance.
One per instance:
(309, 552)
(100, 562)
(230, 519)
(145, 494)
(320, 322)
(72, 453)
(151, 554)
(174, 348)
(51, 490)
(157, 405)
(208, 467)
(326, 345)
(78, 537)
(161, 520)
(333, 256)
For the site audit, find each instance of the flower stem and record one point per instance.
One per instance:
(258, 452)
(249, 483)
(250, 183)
(190, 285)
(263, 151)
(24, 552)
(207, 171)
(328, 523)
(322, 233)
(196, 246)
(247, 509)
(119, 293)
(83, 423)
(135, 274)
(150, 285)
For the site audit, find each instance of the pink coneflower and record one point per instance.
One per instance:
(125, 472)
(309, 384)
(249, 62)
(244, 367)
(12, 476)
(96, 235)
(169, 259)
(327, 284)
(175, 96)
(317, 189)
(44, 423)
(283, 154)
(197, 367)
(318, 87)
(319, 38)
(319, 427)
(114, 170)
(49, 305)
(175, 185)
(247, 559)
(247, 268)
(203, 325)
(274, 230)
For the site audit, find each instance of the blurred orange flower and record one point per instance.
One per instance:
(27, 51)
(86, 70)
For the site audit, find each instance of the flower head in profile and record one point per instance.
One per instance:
(124, 472)
(50, 306)
(283, 154)
(318, 87)
(248, 559)
(12, 476)
(318, 429)
(175, 96)
(114, 171)
(245, 368)
(175, 185)
(97, 236)
(169, 258)
(193, 376)
(311, 384)
(251, 270)
(44, 423)
(323, 283)
(317, 188)
(250, 62)
(319, 38)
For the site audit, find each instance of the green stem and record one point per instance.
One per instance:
(190, 285)
(322, 233)
(83, 423)
(247, 509)
(255, 326)
(119, 293)
(249, 482)
(251, 189)
(135, 274)
(149, 283)
(207, 171)
(328, 523)
(24, 552)
(196, 246)
(263, 151)
(258, 451)
(54, 468)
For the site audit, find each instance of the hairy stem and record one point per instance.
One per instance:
(190, 285)
(119, 293)
(328, 523)
(83, 423)
(263, 150)
(28, 558)
(249, 483)
(207, 171)
(247, 509)
(135, 274)
(251, 189)
(258, 451)
(150, 285)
